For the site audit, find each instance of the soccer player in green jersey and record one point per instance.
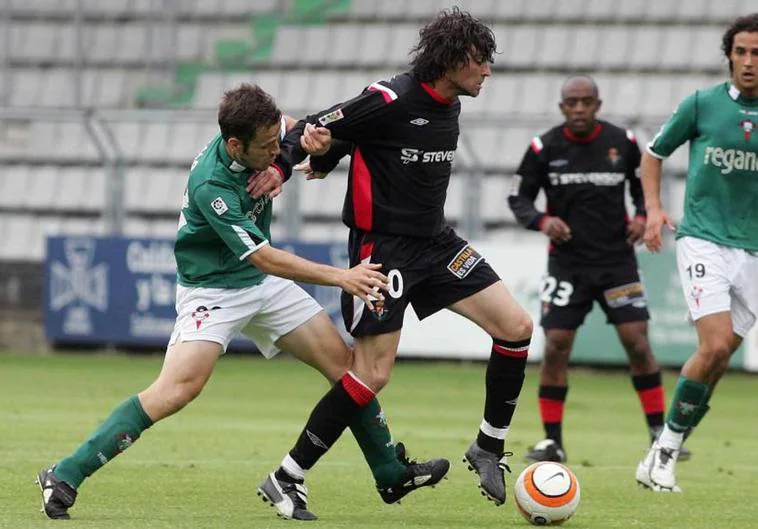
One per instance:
(717, 239)
(232, 281)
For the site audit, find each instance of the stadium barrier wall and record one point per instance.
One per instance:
(120, 292)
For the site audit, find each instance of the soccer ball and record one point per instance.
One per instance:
(547, 493)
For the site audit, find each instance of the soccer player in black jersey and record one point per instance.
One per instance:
(402, 134)
(583, 166)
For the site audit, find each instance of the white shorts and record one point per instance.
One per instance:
(264, 313)
(718, 278)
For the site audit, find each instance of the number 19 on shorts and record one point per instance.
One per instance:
(556, 292)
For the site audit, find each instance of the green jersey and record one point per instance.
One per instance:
(721, 195)
(220, 225)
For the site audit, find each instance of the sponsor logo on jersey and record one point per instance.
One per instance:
(599, 179)
(219, 206)
(630, 294)
(464, 261)
(613, 156)
(419, 122)
(747, 128)
(257, 208)
(730, 159)
(331, 117)
(409, 155)
(558, 163)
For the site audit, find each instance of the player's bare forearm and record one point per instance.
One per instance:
(279, 263)
(650, 169)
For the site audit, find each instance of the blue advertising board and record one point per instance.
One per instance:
(120, 291)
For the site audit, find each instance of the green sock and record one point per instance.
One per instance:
(699, 414)
(122, 428)
(689, 396)
(373, 435)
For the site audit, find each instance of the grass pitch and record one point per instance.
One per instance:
(201, 468)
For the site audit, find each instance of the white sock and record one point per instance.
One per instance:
(670, 439)
(291, 467)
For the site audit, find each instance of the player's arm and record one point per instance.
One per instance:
(530, 175)
(363, 280)
(635, 228)
(680, 128)
(353, 121)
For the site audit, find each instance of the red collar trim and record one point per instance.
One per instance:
(592, 136)
(436, 95)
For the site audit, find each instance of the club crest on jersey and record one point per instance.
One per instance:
(613, 156)
(331, 117)
(747, 128)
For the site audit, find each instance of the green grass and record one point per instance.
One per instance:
(200, 469)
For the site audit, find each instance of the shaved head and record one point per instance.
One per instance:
(579, 82)
(580, 101)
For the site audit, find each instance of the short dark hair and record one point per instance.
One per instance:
(244, 110)
(446, 43)
(747, 23)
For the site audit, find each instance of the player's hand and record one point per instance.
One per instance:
(365, 281)
(656, 219)
(635, 230)
(305, 168)
(556, 229)
(268, 182)
(316, 140)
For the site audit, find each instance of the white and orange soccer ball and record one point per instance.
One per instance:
(547, 493)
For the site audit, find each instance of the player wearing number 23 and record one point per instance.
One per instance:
(583, 165)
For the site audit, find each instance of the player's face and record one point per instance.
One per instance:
(262, 149)
(579, 106)
(744, 57)
(469, 77)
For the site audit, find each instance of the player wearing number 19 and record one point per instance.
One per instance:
(717, 240)
(583, 166)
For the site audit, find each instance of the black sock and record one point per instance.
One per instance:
(503, 381)
(333, 413)
(649, 389)
(552, 400)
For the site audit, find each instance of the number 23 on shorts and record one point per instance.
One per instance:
(556, 292)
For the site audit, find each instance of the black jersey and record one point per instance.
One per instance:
(402, 136)
(584, 180)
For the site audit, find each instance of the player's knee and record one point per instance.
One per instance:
(179, 395)
(638, 351)
(519, 328)
(557, 353)
(716, 351)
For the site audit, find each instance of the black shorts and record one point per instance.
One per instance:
(567, 293)
(430, 274)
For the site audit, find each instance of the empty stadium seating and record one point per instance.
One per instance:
(115, 57)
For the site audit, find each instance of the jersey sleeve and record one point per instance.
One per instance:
(330, 160)
(633, 174)
(680, 128)
(358, 119)
(222, 209)
(529, 178)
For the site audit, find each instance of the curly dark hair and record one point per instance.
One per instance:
(244, 110)
(446, 43)
(747, 23)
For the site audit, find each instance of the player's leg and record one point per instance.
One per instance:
(186, 368)
(706, 271)
(496, 311)
(646, 376)
(552, 392)
(567, 297)
(318, 344)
